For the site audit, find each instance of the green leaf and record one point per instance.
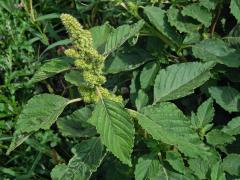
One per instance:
(141, 100)
(74, 77)
(217, 172)
(88, 156)
(148, 75)
(179, 80)
(231, 164)
(75, 125)
(40, 112)
(158, 18)
(165, 122)
(51, 68)
(174, 158)
(120, 35)
(58, 171)
(100, 35)
(217, 137)
(147, 167)
(227, 97)
(183, 24)
(64, 42)
(199, 13)
(205, 114)
(115, 127)
(217, 50)
(232, 128)
(235, 9)
(126, 61)
(199, 167)
(209, 4)
(47, 17)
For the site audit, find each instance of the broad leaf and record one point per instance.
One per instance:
(199, 13)
(227, 97)
(179, 80)
(51, 68)
(141, 99)
(74, 77)
(217, 50)
(75, 125)
(175, 160)
(165, 122)
(217, 137)
(41, 112)
(121, 35)
(147, 167)
(209, 4)
(233, 127)
(231, 164)
(115, 127)
(235, 9)
(217, 172)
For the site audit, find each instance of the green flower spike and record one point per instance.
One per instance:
(88, 60)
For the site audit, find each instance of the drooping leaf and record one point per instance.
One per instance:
(115, 127)
(75, 125)
(227, 97)
(158, 18)
(40, 112)
(165, 122)
(233, 127)
(217, 137)
(235, 9)
(179, 80)
(147, 167)
(231, 164)
(217, 50)
(74, 77)
(121, 35)
(199, 13)
(175, 160)
(51, 68)
(183, 24)
(88, 156)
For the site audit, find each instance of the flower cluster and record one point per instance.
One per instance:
(88, 60)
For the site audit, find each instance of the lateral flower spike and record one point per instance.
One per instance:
(87, 60)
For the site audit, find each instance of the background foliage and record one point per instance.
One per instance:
(175, 63)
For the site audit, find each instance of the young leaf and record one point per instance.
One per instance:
(232, 128)
(121, 35)
(199, 13)
(235, 9)
(147, 167)
(40, 112)
(179, 80)
(231, 164)
(217, 50)
(51, 68)
(165, 122)
(115, 127)
(88, 156)
(217, 137)
(227, 97)
(75, 125)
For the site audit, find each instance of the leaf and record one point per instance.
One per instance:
(147, 167)
(217, 137)
(51, 68)
(141, 100)
(74, 77)
(216, 50)
(115, 127)
(233, 38)
(88, 156)
(58, 171)
(47, 17)
(209, 4)
(232, 128)
(235, 9)
(158, 18)
(199, 13)
(120, 35)
(183, 24)
(148, 75)
(40, 112)
(179, 80)
(64, 42)
(128, 61)
(75, 124)
(165, 122)
(227, 97)
(175, 160)
(199, 166)
(231, 164)
(100, 35)
(217, 172)
(205, 113)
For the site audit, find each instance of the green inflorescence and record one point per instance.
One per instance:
(88, 60)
